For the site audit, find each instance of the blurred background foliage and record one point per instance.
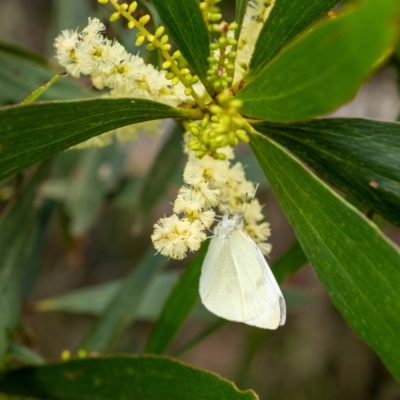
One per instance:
(87, 247)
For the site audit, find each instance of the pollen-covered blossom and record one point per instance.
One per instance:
(173, 236)
(212, 183)
(257, 12)
(110, 66)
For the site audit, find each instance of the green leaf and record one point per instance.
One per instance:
(39, 91)
(180, 302)
(357, 265)
(360, 157)
(163, 170)
(323, 68)
(32, 132)
(24, 354)
(123, 308)
(289, 263)
(21, 74)
(17, 236)
(287, 19)
(186, 26)
(142, 378)
(239, 14)
(94, 299)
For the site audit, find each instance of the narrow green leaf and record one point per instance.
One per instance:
(239, 14)
(24, 354)
(142, 378)
(357, 265)
(163, 170)
(39, 91)
(17, 235)
(289, 263)
(180, 302)
(32, 132)
(360, 157)
(287, 19)
(123, 308)
(186, 26)
(94, 299)
(323, 68)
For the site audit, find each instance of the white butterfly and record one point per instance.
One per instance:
(236, 282)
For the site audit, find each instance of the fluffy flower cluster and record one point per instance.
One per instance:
(109, 65)
(209, 183)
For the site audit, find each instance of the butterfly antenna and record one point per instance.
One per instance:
(255, 191)
(252, 199)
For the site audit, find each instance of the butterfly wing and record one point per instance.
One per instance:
(275, 314)
(234, 284)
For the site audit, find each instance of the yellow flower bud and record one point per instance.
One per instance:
(176, 55)
(160, 30)
(132, 7)
(220, 156)
(115, 16)
(145, 19)
(241, 134)
(65, 355)
(139, 40)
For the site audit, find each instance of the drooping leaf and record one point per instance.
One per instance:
(32, 132)
(123, 308)
(144, 378)
(357, 265)
(180, 302)
(360, 157)
(287, 19)
(186, 26)
(324, 67)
